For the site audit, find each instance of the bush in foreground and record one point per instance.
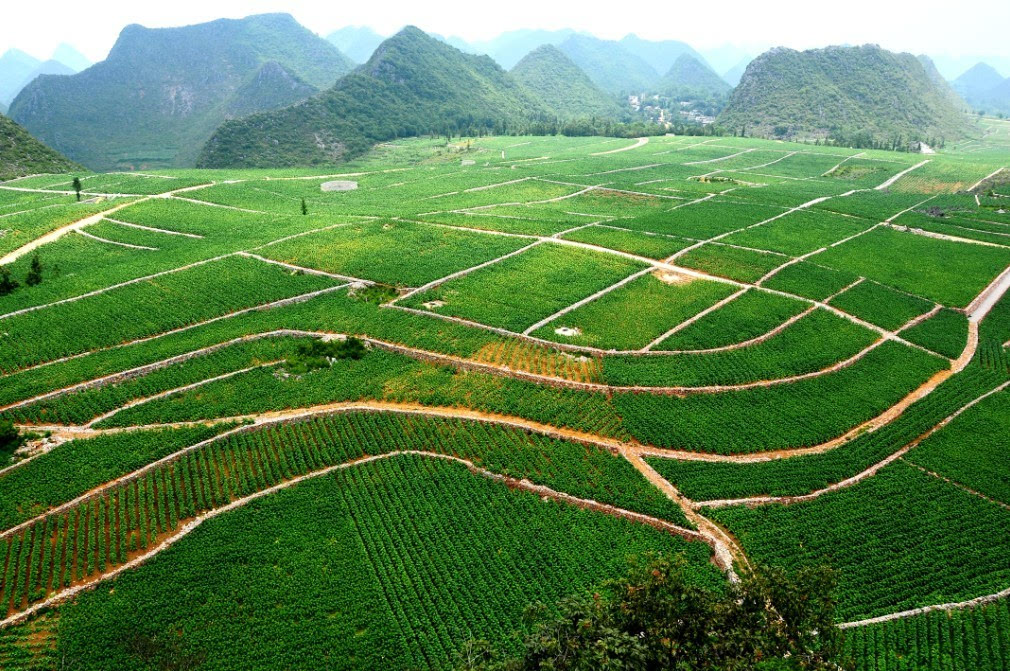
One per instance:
(653, 618)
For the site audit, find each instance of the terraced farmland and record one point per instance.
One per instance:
(366, 431)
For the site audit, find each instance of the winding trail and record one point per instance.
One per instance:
(640, 142)
(901, 174)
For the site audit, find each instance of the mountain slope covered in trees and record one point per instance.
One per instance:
(611, 67)
(560, 85)
(412, 84)
(162, 92)
(21, 154)
(842, 92)
(691, 79)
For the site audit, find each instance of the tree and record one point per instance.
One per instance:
(34, 276)
(7, 283)
(305, 207)
(10, 439)
(77, 188)
(657, 618)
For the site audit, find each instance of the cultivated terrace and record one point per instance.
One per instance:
(291, 419)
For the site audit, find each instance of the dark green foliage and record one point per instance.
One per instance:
(413, 84)
(76, 185)
(655, 617)
(161, 92)
(844, 93)
(34, 276)
(7, 283)
(10, 438)
(305, 207)
(317, 354)
(21, 154)
(555, 80)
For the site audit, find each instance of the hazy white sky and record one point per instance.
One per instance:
(924, 26)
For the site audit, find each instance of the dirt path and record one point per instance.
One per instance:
(990, 296)
(640, 142)
(98, 292)
(177, 390)
(300, 298)
(859, 477)
(720, 159)
(985, 179)
(303, 269)
(691, 320)
(727, 550)
(512, 483)
(901, 174)
(961, 605)
(588, 299)
(955, 483)
(96, 238)
(58, 233)
(945, 237)
(153, 229)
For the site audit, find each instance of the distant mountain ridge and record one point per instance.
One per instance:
(18, 69)
(412, 84)
(661, 55)
(162, 92)
(842, 91)
(559, 84)
(356, 42)
(984, 88)
(21, 154)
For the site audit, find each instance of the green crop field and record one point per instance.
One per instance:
(363, 431)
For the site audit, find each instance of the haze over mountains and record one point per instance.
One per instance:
(18, 69)
(983, 87)
(161, 93)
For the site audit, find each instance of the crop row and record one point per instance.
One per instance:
(780, 416)
(973, 639)
(395, 563)
(182, 299)
(899, 540)
(703, 481)
(121, 521)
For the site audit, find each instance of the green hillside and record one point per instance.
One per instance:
(560, 85)
(21, 154)
(162, 92)
(690, 79)
(611, 67)
(842, 92)
(412, 84)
